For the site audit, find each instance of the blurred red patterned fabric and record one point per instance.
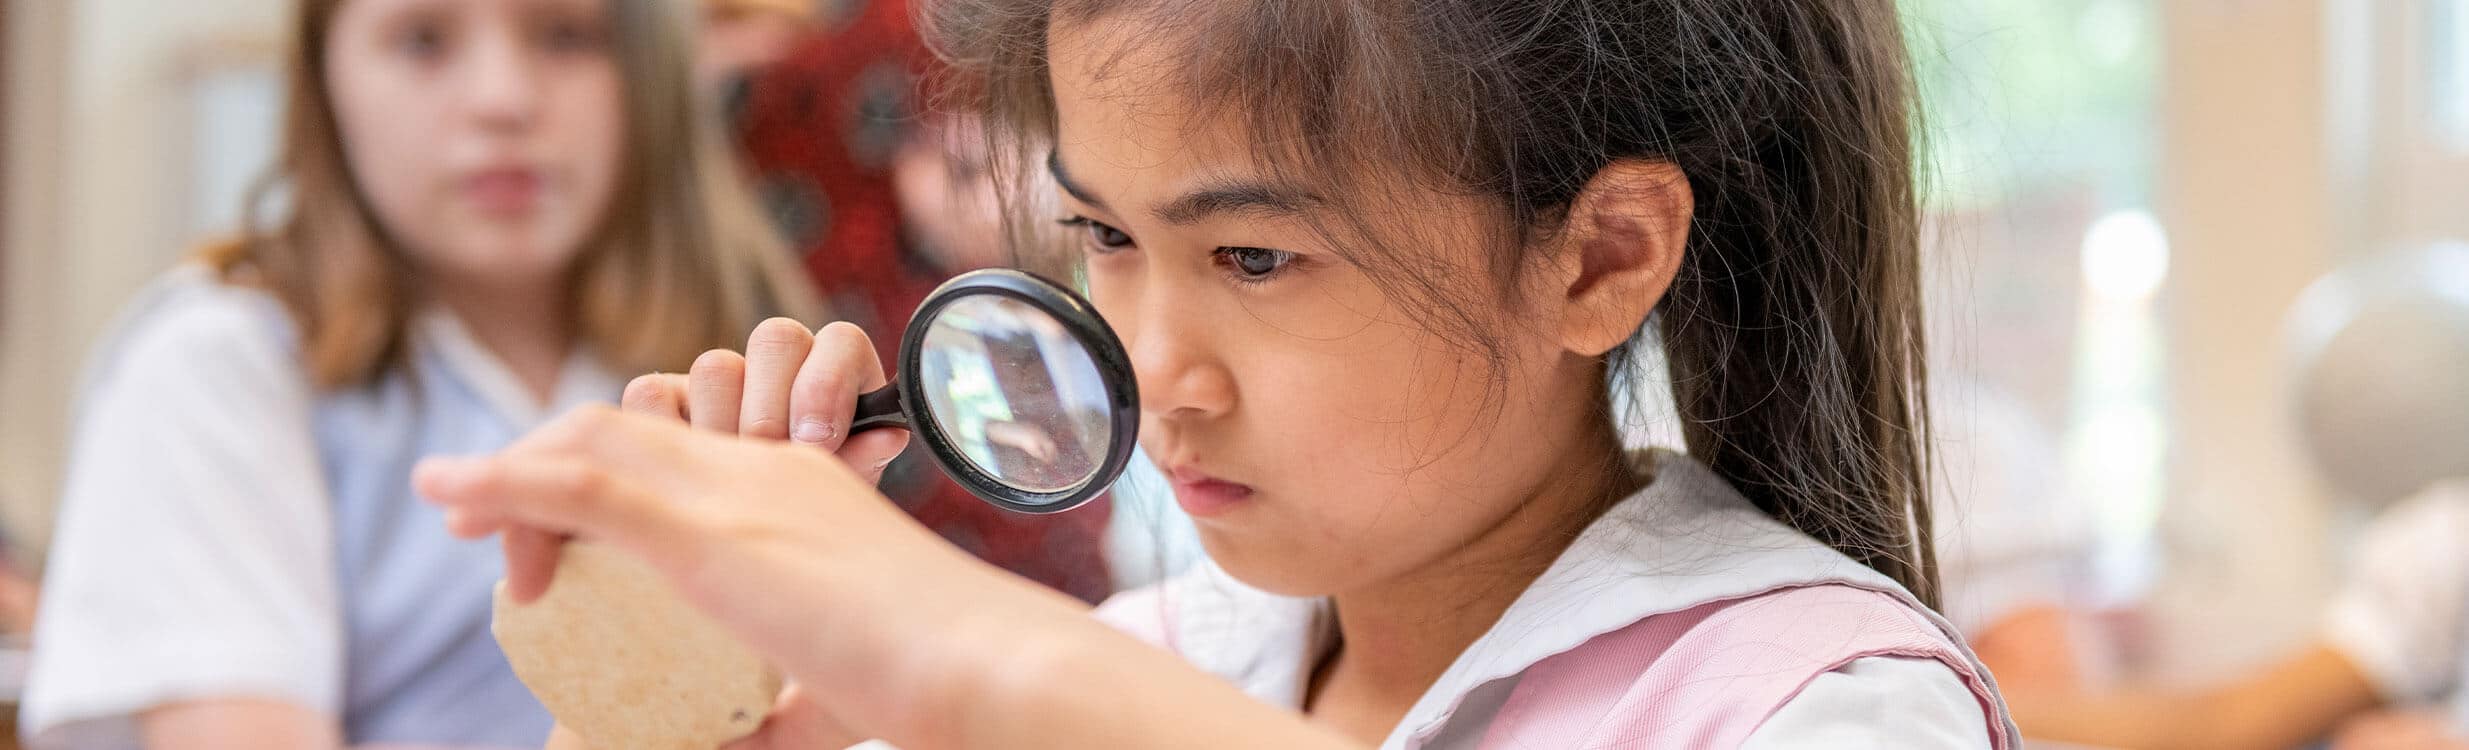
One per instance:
(821, 130)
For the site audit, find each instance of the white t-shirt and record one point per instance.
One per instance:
(2403, 615)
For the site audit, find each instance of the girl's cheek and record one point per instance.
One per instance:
(1114, 287)
(595, 135)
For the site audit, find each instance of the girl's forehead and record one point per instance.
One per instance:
(471, 9)
(1121, 78)
(1142, 122)
(1133, 92)
(1126, 125)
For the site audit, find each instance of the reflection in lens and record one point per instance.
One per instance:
(1015, 393)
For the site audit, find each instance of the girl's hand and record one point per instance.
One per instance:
(789, 385)
(870, 614)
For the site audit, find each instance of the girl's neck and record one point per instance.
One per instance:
(524, 324)
(1395, 639)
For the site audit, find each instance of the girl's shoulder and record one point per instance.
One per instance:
(190, 308)
(190, 328)
(1765, 670)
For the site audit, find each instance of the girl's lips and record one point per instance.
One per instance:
(1202, 495)
(504, 191)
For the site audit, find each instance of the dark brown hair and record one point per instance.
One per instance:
(683, 259)
(1793, 330)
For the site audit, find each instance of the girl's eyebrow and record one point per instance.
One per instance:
(1054, 166)
(1212, 199)
(1256, 199)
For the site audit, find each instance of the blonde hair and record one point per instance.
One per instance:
(683, 260)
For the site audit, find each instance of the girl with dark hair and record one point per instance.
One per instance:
(1378, 266)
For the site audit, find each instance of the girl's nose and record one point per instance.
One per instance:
(1181, 376)
(503, 78)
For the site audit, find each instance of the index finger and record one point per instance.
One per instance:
(558, 495)
(659, 394)
(823, 399)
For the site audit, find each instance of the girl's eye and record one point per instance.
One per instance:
(1254, 264)
(1102, 238)
(570, 36)
(422, 41)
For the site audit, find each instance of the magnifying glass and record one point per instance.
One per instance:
(1017, 388)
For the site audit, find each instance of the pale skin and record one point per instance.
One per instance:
(435, 100)
(2030, 649)
(947, 201)
(2314, 693)
(1238, 321)
(740, 35)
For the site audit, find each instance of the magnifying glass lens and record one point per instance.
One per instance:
(1017, 388)
(1015, 393)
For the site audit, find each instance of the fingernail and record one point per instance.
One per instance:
(433, 475)
(883, 464)
(812, 431)
(464, 524)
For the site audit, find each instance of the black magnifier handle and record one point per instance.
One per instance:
(879, 408)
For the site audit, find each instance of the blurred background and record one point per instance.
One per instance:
(2128, 200)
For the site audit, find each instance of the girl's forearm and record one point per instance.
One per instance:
(238, 722)
(1083, 684)
(1040, 672)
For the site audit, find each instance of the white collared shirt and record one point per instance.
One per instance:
(1685, 540)
(2402, 614)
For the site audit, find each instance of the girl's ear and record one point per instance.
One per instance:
(1620, 248)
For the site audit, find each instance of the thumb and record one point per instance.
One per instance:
(797, 722)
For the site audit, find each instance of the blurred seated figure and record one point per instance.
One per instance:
(2387, 665)
(886, 199)
(740, 36)
(2381, 360)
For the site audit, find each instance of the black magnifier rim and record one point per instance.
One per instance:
(1081, 320)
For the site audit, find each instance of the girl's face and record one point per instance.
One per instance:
(1324, 436)
(483, 133)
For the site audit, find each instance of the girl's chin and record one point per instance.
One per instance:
(1281, 570)
(511, 258)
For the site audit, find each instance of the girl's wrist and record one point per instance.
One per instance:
(971, 661)
(1017, 668)
(1003, 662)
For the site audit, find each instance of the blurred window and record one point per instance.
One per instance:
(2046, 261)
(2448, 79)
